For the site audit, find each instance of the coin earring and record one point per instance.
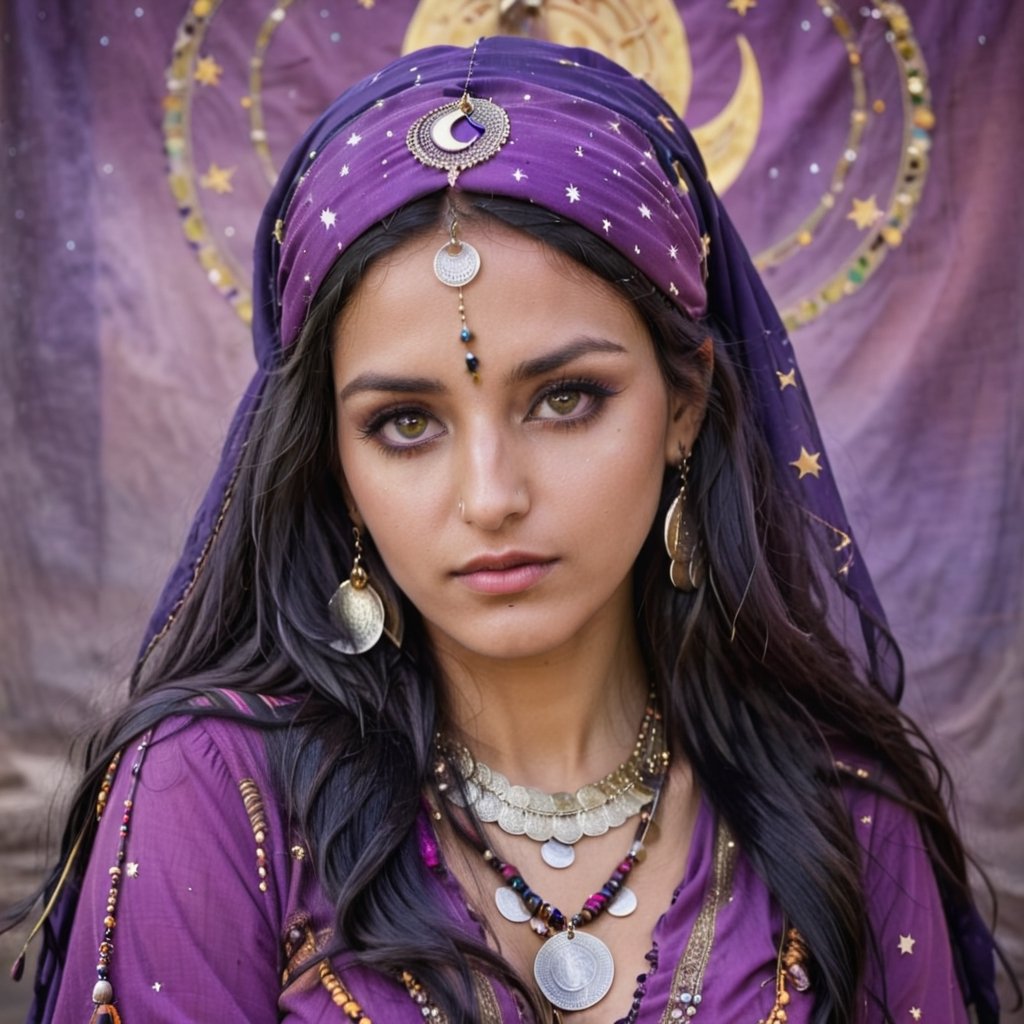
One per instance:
(357, 608)
(682, 544)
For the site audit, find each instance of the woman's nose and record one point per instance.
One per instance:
(493, 482)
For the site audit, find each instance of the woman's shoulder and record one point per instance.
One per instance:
(222, 726)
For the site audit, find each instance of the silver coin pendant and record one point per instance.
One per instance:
(574, 973)
(510, 905)
(556, 854)
(624, 903)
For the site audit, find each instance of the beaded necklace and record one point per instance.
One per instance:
(573, 969)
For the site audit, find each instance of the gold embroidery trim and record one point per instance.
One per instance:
(689, 973)
(340, 995)
(487, 1002)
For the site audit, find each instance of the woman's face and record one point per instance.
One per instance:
(509, 510)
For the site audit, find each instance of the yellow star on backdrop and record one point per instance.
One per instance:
(208, 71)
(786, 380)
(907, 944)
(807, 464)
(741, 6)
(864, 213)
(218, 179)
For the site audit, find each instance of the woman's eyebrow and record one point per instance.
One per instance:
(386, 382)
(560, 357)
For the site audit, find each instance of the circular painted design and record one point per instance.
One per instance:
(235, 73)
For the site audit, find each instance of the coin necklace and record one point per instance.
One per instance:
(573, 969)
(559, 820)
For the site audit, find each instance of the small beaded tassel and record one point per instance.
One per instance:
(104, 1011)
(792, 967)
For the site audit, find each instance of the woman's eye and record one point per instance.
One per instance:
(572, 402)
(410, 426)
(404, 428)
(562, 403)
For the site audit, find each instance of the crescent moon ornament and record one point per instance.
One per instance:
(431, 141)
(443, 135)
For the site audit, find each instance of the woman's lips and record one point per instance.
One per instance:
(505, 574)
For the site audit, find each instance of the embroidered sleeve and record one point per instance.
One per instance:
(177, 904)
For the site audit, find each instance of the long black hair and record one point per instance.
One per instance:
(757, 691)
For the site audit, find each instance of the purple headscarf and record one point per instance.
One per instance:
(591, 143)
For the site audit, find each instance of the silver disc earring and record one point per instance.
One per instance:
(357, 608)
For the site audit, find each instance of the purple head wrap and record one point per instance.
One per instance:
(593, 144)
(588, 141)
(580, 159)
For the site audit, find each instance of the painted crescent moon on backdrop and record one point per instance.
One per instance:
(728, 139)
(442, 135)
(646, 36)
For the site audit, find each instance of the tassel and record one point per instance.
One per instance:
(18, 967)
(105, 1014)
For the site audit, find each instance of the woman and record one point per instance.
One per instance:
(521, 391)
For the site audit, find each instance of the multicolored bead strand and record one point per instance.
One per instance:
(104, 1011)
(549, 915)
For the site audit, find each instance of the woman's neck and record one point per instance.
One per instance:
(554, 721)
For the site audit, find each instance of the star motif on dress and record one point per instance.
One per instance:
(673, 252)
(328, 218)
(807, 464)
(864, 212)
(907, 943)
(648, 154)
(866, 819)
(218, 179)
(915, 1012)
(786, 380)
(607, 225)
(207, 71)
(354, 139)
(616, 126)
(131, 869)
(666, 123)
(672, 288)
(572, 193)
(644, 211)
(519, 174)
(343, 173)
(156, 986)
(741, 6)
(636, 249)
(579, 151)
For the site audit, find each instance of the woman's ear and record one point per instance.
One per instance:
(687, 408)
(350, 504)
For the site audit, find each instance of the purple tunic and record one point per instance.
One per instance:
(217, 899)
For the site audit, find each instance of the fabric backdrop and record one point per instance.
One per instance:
(869, 154)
